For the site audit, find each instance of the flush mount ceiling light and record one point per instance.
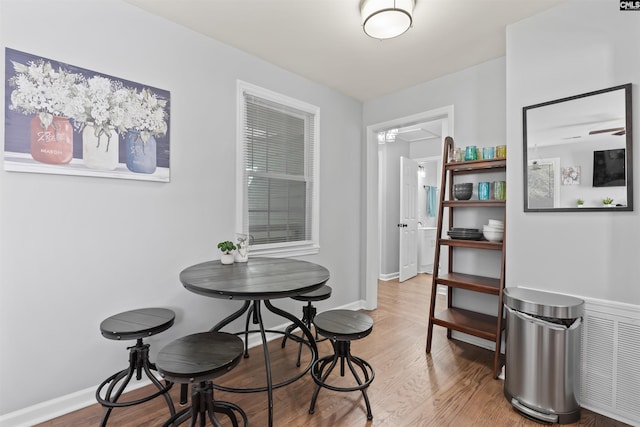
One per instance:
(385, 19)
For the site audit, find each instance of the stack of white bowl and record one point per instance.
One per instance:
(494, 231)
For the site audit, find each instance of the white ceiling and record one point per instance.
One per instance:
(323, 40)
(421, 132)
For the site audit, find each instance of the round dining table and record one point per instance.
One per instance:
(257, 282)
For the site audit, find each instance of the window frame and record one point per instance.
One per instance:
(284, 249)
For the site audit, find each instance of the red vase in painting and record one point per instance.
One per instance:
(52, 144)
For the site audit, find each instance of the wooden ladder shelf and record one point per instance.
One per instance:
(488, 327)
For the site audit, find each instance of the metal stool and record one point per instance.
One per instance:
(130, 325)
(197, 359)
(342, 327)
(308, 314)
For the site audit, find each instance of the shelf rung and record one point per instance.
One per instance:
(469, 322)
(475, 165)
(487, 285)
(475, 244)
(474, 203)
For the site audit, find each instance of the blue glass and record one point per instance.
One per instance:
(488, 152)
(483, 190)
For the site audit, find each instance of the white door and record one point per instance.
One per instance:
(408, 225)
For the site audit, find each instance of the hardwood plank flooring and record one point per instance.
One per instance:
(453, 386)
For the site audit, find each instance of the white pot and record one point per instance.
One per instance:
(226, 259)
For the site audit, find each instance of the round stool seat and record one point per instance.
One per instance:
(343, 325)
(199, 357)
(322, 293)
(135, 324)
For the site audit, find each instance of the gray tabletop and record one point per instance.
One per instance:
(259, 278)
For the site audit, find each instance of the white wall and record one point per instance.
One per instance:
(75, 250)
(477, 94)
(574, 48)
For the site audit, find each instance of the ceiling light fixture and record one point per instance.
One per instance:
(385, 19)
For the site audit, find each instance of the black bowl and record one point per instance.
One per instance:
(463, 191)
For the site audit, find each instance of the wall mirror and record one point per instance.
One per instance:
(578, 153)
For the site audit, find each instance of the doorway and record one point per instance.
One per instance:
(377, 190)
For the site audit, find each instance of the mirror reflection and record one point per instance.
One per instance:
(577, 152)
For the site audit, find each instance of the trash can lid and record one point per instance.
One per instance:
(544, 304)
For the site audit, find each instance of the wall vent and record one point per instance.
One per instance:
(610, 360)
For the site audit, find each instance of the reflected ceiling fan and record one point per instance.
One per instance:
(613, 131)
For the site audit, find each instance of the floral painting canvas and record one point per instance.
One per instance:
(571, 175)
(63, 119)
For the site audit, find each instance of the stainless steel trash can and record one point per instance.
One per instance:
(542, 373)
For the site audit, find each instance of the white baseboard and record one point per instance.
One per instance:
(387, 277)
(57, 407)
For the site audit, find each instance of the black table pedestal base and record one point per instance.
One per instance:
(255, 307)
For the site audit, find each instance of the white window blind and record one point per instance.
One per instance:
(278, 161)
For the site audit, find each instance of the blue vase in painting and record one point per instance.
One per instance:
(141, 152)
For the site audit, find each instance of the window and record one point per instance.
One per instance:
(277, 172)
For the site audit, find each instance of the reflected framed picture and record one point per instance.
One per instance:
(571, 175)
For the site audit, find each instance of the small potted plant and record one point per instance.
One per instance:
(607, 201)
(580, 203)
(226, 247)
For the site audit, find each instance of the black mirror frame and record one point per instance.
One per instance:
(629, 152)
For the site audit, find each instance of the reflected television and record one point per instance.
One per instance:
(608, 168)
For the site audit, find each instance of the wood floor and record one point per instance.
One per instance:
(453, 386)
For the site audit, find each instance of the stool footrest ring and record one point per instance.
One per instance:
(320, 378)
(320, 375)
(111, 404)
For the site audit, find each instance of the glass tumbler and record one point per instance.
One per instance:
(471, 153)
(483, 190)
(499, 190)
(488, 152)
(501, 151)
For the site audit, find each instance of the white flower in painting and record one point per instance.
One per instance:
(41, 89)
(105, 104)
(146, 113)
(99, 94)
